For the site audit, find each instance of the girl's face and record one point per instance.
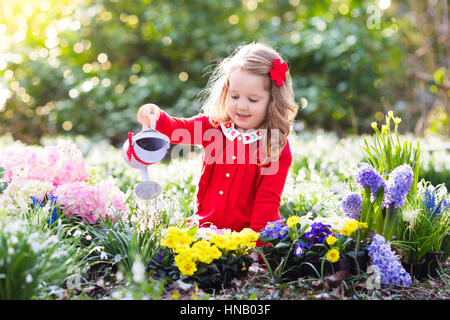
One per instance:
(248, 100)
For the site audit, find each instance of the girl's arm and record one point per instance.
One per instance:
(183, 130)
(268, 197)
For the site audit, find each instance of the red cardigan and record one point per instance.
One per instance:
(232, 193)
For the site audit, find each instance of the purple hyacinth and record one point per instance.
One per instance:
(275, 230)
(391, 270)
(397, 187)
(352, 205)
(367, 176)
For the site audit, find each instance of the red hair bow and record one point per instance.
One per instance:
(278, 72)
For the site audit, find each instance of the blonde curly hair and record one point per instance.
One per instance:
(256, 58)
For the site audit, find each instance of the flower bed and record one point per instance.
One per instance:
(374, 218)
(207, 255)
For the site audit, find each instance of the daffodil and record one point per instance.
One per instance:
(391, 114)
(349, 227)
(363, 225)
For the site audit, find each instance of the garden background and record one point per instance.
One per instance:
(80, 69)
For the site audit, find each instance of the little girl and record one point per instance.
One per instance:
(248, 112)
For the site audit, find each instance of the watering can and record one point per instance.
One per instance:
(143, 149)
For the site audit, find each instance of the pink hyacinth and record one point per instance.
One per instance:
(90, 202)
(59, 171)
(81, 199)
(55, 164)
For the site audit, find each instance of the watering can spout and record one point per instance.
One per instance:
(144, 173)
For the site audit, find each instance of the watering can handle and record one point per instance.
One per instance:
(152, 123)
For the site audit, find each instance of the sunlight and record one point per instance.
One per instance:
(384, 4)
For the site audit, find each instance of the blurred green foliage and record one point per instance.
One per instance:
(85, 66)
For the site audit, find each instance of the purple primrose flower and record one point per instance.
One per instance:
(275, 230)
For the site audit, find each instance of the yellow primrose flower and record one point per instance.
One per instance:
(219, 240)
(332, 255)
(250, 234)
(204, 256)
(186, 266)
(292, 221)
(201, 251)
(349, 227)
(181, 247)
(190, 253)
(186, 238)
(214, 252)
(331, 240)
(231, 245)
(201, 244)
(171, 231)
(249, 244)
(168, 242)
(176, 237)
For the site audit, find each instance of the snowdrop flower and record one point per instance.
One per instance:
(13, 239)
(103, 255)
(29, 278)
(410, 216)
(77, 233)
(138, 271)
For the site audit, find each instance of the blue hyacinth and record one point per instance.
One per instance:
(38, 204)
(397, 187)
(351, 205)
(391, 270)
(367, 176)
(275, 230)
(429, 203)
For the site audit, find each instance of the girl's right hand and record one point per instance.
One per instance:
(144, 112)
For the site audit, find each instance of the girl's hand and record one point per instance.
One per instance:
(143, 115)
